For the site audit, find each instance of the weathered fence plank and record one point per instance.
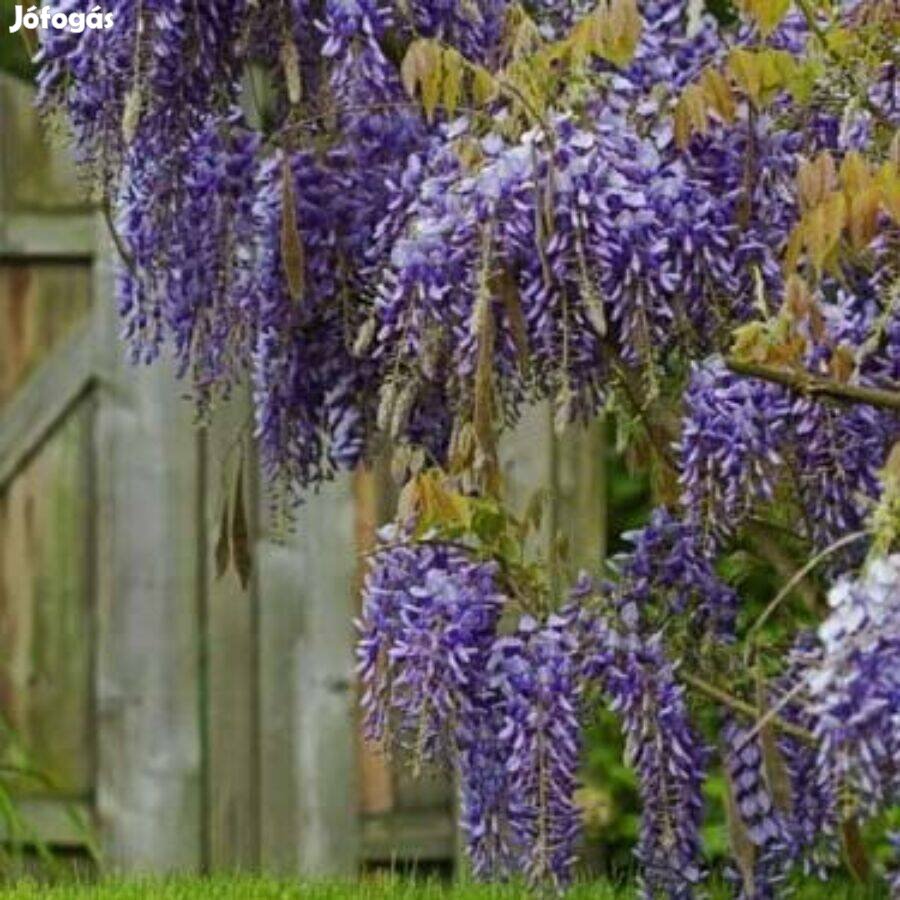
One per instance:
(45, 647)
(314, 571)
(148, 700)
(230, 648)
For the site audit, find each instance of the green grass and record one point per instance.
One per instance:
(372, 889)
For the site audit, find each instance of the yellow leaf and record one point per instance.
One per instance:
(797, 298)
(431, 86)
(453, 78)
(823, 229)
(815, 180)
(890, 194)
(421, 70)
(842, 363)
(776, 69)
(751, 342)
(854, 174)
(521, 35)
(690, 114)
(484, 86)
(745, 70)
(719, 96)
(863, 216)
(624, 31)
(767, 13)
(418, 60)
(794, 247)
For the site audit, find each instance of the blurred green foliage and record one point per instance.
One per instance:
(14, 57)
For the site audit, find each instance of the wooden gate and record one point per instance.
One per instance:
(194, 725)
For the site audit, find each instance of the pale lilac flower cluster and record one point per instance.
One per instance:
(854, 688)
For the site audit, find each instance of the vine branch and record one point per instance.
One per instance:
(807, 383)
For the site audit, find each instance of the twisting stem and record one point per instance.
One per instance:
(799, 575)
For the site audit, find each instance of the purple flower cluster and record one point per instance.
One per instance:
(665, 751)
(740, 436)
(443, 678)
(439, 679)
(762, 823)
(428, 623)
(537, 673)
(730, 446)
(669, 572)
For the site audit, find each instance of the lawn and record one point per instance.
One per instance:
(267, 889)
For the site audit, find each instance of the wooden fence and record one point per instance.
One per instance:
(194, 725)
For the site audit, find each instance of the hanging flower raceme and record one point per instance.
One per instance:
(164, 65)
(765, 844)
(429, 618)
(669, 572)
(854, 689)
(665, 752)
(840, 452)
(731, 446)
(314, 400)
(486, 787)
(814, 814)
(537, 672)
(191, 239)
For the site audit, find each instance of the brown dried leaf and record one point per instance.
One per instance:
(855, 174)
(842, 363)
(483, 414)
(742, 847)
(854, 850)
(816, 179)
(410, 501)
(131, 114)
(240, 533)
(508, 291)
(292, 254)
(797, 298)
(775, 769)
(223, 544)
(863, 216)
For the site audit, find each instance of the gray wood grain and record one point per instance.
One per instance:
(308, 701)
(231, 661)
(147, 669)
